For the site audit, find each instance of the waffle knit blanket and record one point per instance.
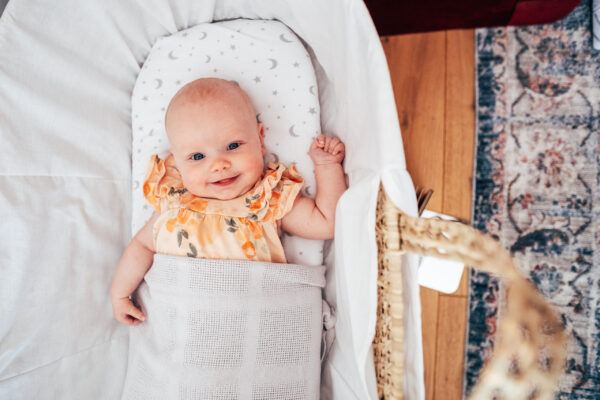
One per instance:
(227, 329)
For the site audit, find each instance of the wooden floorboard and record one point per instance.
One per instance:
(433, 79)
(460, 129)
(418, 80)
(459, 124)
(450, 345)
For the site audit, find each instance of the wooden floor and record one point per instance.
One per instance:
(433, 79)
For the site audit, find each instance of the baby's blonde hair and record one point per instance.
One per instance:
(203, 90)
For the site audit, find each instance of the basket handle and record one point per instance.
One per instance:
(529, 354)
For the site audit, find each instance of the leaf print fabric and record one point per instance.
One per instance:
(244, 228)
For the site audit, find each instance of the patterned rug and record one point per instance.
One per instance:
(537, 183)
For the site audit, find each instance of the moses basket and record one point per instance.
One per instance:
(529, 353)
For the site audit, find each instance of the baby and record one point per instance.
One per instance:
(213, 196)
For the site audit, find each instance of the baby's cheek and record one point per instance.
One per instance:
(254, 164)
(191, 179)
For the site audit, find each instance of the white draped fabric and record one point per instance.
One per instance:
(67, 71)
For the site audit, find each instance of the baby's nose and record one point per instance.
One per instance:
(220, 165)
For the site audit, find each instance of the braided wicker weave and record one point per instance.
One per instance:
(387, 344)
(529, 352)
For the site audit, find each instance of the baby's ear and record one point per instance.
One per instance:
(261, 135)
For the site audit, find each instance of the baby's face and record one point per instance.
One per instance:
(218, 148)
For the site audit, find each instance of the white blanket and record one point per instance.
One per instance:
(227, 329)
(67, 70)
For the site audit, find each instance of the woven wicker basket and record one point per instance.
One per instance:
(530, 349)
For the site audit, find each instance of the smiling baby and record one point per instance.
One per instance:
(213, 196)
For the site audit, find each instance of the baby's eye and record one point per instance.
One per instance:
(197, 156)
(233, 146)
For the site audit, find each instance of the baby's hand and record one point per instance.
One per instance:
(126, 312)
(327, 150)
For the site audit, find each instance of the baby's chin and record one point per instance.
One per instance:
(214, 196)
(221, 194)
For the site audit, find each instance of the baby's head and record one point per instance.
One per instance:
(215, 139)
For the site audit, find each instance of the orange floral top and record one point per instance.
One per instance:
(244, 228)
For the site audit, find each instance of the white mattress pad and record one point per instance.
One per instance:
(268, 61)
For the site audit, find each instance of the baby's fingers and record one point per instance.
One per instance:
(319, 142)
(136, 313)
(334, 146)
(134, 321)
(129, 320)
(314, 145)
(339, 148)
(129, 314)
(328, 142)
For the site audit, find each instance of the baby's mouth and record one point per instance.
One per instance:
(226, 181)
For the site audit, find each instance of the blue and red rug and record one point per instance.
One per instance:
(537, 183)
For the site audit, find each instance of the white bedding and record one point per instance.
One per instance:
(67, 71)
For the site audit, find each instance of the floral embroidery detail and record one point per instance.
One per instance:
(249, 249)
(180, 235)
(232, 225)
(193, 252)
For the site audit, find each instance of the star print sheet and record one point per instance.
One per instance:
(67, 75)
(269, 63)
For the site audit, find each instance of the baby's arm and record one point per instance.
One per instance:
(315, 219)
(135, 262)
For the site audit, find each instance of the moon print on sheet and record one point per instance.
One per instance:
(274, 61)
(294, 134)
(204, 35)
(306, 191)
(171, 56)
(159, 83)
(311, 89)
(272, 157)
(283, 39)
(207, 59)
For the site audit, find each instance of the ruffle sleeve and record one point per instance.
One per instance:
(285, 191)
(162, 183)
